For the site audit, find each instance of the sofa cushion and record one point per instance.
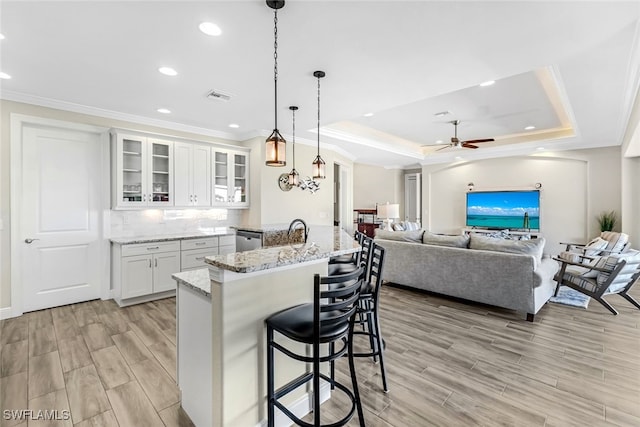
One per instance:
(532, 247)
(459, 241)
(403, 236)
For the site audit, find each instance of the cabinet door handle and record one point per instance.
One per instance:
(149, 263)
(153, 248)
(144, 197)
(191, 197)
(156, 261)
(195, 198)
(200, 258)
(200, 243)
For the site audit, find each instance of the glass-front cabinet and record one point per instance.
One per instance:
(230, 178)
(143, 174)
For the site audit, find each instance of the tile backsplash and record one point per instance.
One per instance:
(168, 221)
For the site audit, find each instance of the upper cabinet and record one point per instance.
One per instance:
(230, 178)
(192, 167)
(151, 172)
(143, 171)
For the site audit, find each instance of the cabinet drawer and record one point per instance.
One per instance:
(207, 242)
(150, 248)
(195, 257)
(227, 240)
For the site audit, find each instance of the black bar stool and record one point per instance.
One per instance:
(368, 311)
(362, 257)
(328, 320)
(349, 258)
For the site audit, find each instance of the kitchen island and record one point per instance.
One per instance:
(221, 333)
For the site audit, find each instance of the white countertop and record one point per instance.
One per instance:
(323, 242)
(210, 232)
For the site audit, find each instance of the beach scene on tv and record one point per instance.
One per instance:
(504, 209)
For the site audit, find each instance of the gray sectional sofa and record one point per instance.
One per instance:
(505, 273)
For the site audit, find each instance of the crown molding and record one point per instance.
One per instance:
(115, 115)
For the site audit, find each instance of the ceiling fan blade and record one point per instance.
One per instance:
(467, 145)
(446, 146)
(476, 141)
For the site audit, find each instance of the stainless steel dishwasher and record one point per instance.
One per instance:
(248, 240)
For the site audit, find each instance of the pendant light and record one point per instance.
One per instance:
(294, 176)
(318, 164)
(276, 152)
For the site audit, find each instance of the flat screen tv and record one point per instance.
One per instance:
(516, 210)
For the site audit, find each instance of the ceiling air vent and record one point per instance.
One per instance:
(216, 94)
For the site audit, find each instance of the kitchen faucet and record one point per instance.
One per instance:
(304, 224)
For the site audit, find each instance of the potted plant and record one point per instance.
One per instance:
(607, 220)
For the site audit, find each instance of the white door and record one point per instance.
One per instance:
(201, 175)
(164, 265)
(182, 174)
(137, 275)
(61, 220)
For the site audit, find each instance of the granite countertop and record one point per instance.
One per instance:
(262, 228)
(210, 232)
(323, 242)
(197, 280)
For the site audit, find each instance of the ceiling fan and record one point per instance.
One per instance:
(455, 142)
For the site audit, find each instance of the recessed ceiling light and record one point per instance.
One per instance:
(210, 29)
(1, 36)
(368, 114)
(4, 76)
(540, 148)
(529, 128)
(442, 113)
(458, 158)
(487, 83)
(164, 111)
(234, 125)
(168, 71)
(439, 141)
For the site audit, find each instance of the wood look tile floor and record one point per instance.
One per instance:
(449, 363)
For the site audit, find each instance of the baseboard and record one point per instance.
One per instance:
(300, 407)
(6, 313)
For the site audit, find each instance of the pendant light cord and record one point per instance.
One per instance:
(318, 116)
(275, 65)
(294, 139)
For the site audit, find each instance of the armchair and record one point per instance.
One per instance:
(608, 243)
(609, 274)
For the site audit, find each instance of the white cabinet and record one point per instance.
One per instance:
(142, 272)
(230, 178)
(192, 172)
(193, 251)
(142, 171)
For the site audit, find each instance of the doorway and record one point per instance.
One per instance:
(342, 201)
(57, 208)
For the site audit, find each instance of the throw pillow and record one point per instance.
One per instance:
(616, 241)
(402, 236)
(458, 241)
(595, 246)
(532, 247)
(411, 226)
(397, 227)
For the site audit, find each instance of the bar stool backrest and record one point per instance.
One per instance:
(376, 266)
(337, 303)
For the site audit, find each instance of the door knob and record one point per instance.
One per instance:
(29, 241)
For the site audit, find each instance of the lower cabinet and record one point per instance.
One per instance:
(142, 272)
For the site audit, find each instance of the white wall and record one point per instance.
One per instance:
(577, 185)
(630, 165)
(270, 205)
(375, 184)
